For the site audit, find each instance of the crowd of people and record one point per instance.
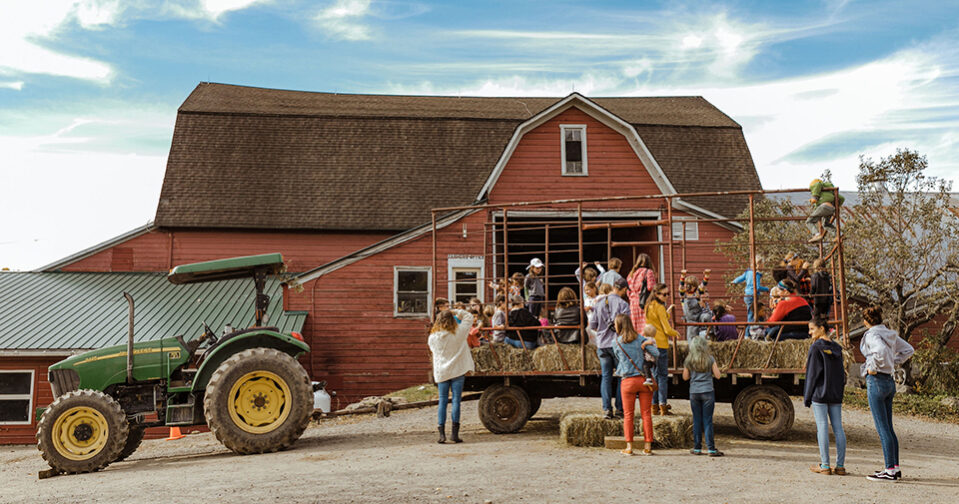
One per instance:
(628, 319)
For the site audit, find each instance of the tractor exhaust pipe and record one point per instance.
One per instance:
(129, 340)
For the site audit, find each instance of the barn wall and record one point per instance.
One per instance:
(42, 396)
(152, 251)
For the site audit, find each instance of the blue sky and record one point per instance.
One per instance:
(89, 88)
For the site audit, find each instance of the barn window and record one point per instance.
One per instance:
(692, 231)
(411, 291)
(466, 284)
(573, 145)
(16, 397)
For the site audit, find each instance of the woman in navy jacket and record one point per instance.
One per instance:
(825, 381)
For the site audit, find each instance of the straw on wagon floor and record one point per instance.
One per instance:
(753, 354)
(591, 429)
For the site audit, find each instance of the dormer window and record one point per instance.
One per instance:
(573, 149)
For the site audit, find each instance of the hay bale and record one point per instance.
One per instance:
(591, 429)
(512, 359)
(752, 354)
(547, 357)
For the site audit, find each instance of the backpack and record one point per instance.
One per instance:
(643, 292)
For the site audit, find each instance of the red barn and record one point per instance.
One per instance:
(343, 185)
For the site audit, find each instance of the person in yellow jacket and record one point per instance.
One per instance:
(657, 315)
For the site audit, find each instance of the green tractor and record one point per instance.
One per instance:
(246, 385)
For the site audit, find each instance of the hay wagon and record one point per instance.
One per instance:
(758, 377)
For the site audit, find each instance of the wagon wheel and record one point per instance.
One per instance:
(504, 410)
(763, 412)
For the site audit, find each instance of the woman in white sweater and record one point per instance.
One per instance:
(451, 361)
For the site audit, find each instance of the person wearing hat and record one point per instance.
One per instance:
(602, 322)
(534, 287)
(824, 208)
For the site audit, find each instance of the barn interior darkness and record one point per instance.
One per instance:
(554, 240)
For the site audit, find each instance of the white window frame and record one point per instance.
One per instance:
(692, 229)
(429, 291)
(562, 148)
(460, 262)
(15, 397)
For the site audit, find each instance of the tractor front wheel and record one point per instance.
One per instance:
(259, 400)
(82, 431)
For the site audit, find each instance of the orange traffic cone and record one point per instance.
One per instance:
(175, 434)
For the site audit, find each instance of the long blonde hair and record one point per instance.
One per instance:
(624, 327)
(445, 321)
(699, 359)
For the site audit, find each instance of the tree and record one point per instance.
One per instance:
(902, 245)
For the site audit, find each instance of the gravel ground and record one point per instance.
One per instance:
(396, 459)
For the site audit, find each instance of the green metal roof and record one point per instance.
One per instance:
(224, 269)
(45, 311)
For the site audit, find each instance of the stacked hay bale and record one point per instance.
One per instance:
(547, 358)
(510, 359)
(591, 429)
(752, 354)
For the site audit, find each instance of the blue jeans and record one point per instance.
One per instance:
(880, 389)
(826, 414)
(609, 384)
(530, 345)
(456, 385)
(662, 377)
(702, 405)
(749, 308)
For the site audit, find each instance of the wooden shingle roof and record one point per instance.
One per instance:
(270, 159)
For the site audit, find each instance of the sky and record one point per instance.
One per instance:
(89, 88)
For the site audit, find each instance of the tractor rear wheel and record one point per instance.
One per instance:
(82, 431)
(133, 442)
(259, 400)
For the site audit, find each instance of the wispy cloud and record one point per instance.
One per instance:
(344, 20)
(16, 85)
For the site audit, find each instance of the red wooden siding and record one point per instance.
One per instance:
(42, 396)
(534, 171)
(152, 251)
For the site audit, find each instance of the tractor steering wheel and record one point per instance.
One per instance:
(208, 333)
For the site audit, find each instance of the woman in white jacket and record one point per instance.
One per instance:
(883, 350)
(451, 361)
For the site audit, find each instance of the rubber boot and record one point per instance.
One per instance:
(442, 429)
(456, 433)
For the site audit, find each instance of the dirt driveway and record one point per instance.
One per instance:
(367, 460)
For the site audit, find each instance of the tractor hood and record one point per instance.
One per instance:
(98, 369)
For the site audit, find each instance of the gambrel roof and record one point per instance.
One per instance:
(258, 158)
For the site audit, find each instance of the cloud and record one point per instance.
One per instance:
(342, 20)
(15, 85)
(100, 164)
(24, 26)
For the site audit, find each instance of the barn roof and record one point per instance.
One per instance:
(256, 158)
(71, 311)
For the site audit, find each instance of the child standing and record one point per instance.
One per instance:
(498, 321)
(590, 295)
(820, 290)
(695, 305)
(516, 285)
(699, 369)
(535, 288)
(612, 274)
(589, 274)
(751, 281)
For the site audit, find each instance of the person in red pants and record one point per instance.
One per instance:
(630, 348)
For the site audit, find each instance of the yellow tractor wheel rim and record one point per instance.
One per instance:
(259, 402)
(80, 433)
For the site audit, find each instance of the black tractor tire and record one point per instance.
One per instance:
(238, 432)
(91, 430)
(763, 412)
(133, 442)
(504, 410)
(535, 402)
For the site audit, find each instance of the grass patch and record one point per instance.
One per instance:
(416, 393)
(915, 405)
